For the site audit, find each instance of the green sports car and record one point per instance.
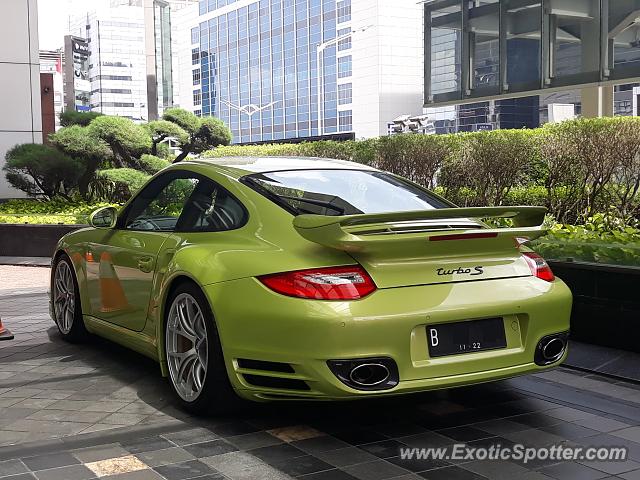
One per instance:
(301, 278)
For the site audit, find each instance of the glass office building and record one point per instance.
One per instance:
(256, 67)
(478, 49)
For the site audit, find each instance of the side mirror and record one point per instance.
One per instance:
(104, 217)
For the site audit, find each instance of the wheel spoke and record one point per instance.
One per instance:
(60, 285)
(184, 360)
(198, 326)
(186, 346)
(185, 322)
(198, 375)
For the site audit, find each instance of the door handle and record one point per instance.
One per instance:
(145, 264)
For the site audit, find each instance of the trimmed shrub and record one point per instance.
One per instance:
(121, 183)
(72, 117)
(42, 170)
(416, 157)
(588, 158)
(490, 164)
(152, 164)
(127, 140)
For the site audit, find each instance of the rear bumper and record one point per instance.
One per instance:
(258, 324)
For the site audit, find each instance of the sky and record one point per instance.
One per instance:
(53, 16)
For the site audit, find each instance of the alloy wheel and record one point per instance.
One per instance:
(64, 297)
(187, 347)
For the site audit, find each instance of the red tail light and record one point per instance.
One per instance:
(332, 283)
(539, 266)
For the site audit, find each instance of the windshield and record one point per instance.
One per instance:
(342, 192)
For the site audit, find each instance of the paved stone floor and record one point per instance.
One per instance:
(75, 412)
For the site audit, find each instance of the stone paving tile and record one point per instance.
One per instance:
(190, 436)
(601, 424)
(634, 475)
(573, 471)
(376, 470)
(53, 460)
(212, 447)
(23, 476)
(100, 452)
(157, 458)
(116, 466)
(184, 470)
(72, 472)
(12, 467)
(631, 433)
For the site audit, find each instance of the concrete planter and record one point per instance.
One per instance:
(31, 240)
(606, 308)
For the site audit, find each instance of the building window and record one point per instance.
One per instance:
(202, 7)
(197, 113)
(197, 97)
(344, 44)
(345, 94)
(196, 76)
(195, 35)
(345, 121)
(195, 56)
(344, 66)
(344, 10)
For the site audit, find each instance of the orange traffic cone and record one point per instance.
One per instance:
(5, 334)
(112, 294)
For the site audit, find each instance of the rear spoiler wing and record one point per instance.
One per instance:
(333, 231)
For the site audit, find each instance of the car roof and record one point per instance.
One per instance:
(240, 166)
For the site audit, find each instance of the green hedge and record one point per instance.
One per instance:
(576, 168)
(601, 240)
(50, 212)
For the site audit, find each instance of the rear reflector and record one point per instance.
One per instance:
(332, 283)
(539, 266)
(462, 236)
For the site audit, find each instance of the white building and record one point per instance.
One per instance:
(182, 21)
(125, 45)
(117, 63)
(388, 74)
(277, 70)
(21, 119)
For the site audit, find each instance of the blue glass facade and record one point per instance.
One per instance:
(258, 67)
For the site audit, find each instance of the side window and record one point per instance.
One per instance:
(210, 208)
(159, 206)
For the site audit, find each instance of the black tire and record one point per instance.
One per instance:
(78, 332)
(216, 396)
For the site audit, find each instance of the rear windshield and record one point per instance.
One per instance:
(341, 192)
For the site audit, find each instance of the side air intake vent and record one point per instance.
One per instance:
(266, 366)
(275, 382)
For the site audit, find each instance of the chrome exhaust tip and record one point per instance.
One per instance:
(369, 374)
(551, 348)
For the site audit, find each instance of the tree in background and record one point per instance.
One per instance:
(71, 117)
(79, 143)
(127, 140)
(42, 170)
(203, 133)
(160, 130)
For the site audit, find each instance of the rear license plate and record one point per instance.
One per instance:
(465, 337)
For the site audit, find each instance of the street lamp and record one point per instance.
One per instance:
(320, 68)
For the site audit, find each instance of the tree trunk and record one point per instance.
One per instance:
(183, 154)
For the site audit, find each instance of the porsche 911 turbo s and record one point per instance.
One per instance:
(300, 278)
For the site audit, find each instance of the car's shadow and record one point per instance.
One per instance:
(108, 371)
